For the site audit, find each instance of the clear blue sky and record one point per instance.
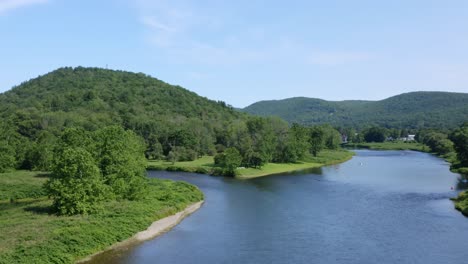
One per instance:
(246, 50)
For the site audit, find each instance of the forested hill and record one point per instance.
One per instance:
(409, 110)
(168, 118)
(93, 97)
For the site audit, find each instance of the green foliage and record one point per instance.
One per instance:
(76, 186)
(31, 235)
(165, 116)
(414, 110)
(391, 145)
(21, 184)
(229, 161)
(375, 134)
(316, 140)
(119, 155)
(12, 147)
(460, 141)
(332, 137)
(438, 142)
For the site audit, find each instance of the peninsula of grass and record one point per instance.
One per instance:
(206, 165)
(325, 157)
(30, 233)
(390, 145)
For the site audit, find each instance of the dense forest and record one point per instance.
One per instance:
(414, 110)
(172, 122)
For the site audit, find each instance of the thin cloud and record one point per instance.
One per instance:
(154, 24)
(8, 5)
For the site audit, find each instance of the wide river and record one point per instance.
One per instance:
(379, 207)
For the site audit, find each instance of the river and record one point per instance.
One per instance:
(379, 207)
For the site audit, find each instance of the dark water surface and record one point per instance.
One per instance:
(379, 207)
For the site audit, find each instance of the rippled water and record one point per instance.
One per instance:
(379, 207)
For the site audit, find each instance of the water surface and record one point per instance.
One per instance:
(379, 207)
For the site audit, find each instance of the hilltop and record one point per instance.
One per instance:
(409, 110)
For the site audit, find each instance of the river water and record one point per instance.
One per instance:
(379, 207)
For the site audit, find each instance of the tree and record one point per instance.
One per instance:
(263, 138)
(332, 137)
(374, 134)
(154, 150)
(76, 186)
(296, 146)
(316, 140)
(119, 155)
(229, 161)
(460, 141)
(438, 142)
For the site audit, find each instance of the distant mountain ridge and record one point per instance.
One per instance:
(408, 110)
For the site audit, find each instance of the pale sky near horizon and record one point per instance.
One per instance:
(245, 51)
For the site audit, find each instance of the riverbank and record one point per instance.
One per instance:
(324, 158)
(389, 145)
(205, 165)
(155, 229)
(30, 233)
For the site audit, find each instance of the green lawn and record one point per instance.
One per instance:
(29, 233)
(325, 157)
(206, 164)
(391, 145)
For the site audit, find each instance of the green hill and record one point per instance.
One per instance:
(90, 96)
(34, 113)
(409, 110)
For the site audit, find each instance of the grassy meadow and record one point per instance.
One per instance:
(31, 233)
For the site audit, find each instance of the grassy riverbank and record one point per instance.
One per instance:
(206, 164)
(390, 145)
(29, 233)
(461, 203)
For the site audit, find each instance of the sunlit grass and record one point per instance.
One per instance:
(392, 145)
(30, 233)
(206, 164)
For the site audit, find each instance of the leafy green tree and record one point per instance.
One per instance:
(438, 142)
(7, 157)
(9, 142)
(316, 139)
(120, 158)
(332, 137)
(154, 150)
(263, 139)
(375, 134)
(230, 160)
(76, 186)
(460, 141)
(40, 157)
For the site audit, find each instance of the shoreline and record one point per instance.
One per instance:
(204, 165)
(314, 166)
(156, 229)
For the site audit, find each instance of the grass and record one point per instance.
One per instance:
(391, 145)
(325, 157)
(29, 233)
(206, 164)
(21, 184)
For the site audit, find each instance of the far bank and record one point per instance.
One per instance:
(205, 165)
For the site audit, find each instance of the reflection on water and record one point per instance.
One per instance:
(379, 207)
